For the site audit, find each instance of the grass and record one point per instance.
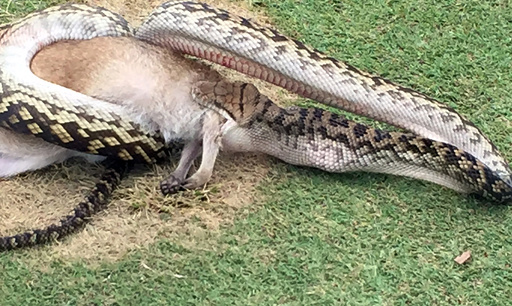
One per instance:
(318, 238)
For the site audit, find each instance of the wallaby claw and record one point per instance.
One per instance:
(171, 185)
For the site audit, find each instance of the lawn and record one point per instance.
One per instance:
(316, 238)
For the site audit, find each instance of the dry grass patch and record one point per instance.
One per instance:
(138, 213)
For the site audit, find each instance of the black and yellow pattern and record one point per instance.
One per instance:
(58, 115)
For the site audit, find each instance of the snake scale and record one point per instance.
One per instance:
(442, 147)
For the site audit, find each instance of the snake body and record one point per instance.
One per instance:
(444, 147)
(317, 138)
(56, 114)
(235, 42)
(95, 201)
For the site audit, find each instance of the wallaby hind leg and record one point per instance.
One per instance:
(211, 146)
(211, 132)
(174, 182)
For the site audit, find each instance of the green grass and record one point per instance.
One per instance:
(10, 9)
(356, 239)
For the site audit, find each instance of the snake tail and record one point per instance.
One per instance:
(96, 200)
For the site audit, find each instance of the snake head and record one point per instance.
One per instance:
(235, 101)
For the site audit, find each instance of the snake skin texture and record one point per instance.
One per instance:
(443, 147)
(317, 138)
(60, 116)
(95, 201)
(235, 42)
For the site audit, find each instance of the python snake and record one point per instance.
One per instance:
(444, 147)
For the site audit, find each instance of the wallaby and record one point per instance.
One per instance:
(153, 82)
